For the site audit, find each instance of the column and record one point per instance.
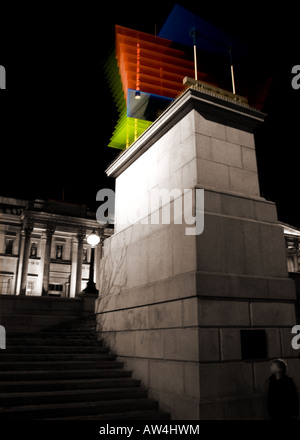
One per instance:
(20, 264)
(39, 286)
(73, 268)
(80, 238)
(49, 232)
(27, 232)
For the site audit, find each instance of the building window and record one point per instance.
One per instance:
(9, 243)
(6, 283)
(59, 252)
(33, 250)
(31, 287)
(253, 344)
(55, 289)
(293, 253)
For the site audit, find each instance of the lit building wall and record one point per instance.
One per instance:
(183, 311)
(28, 230)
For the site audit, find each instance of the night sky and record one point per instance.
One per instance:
(57, 114)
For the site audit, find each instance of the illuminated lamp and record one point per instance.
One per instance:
(93, 240)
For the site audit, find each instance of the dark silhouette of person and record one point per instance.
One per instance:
(282, 399)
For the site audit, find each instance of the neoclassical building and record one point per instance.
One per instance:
(43, 247)
(292, 239)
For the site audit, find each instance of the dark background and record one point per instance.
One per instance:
(57, 115)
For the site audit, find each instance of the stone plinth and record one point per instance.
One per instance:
(172, 305)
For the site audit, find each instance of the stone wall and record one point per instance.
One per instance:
(172, 305)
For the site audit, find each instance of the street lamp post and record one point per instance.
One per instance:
(93, 240)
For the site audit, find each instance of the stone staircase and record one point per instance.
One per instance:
(65, 373)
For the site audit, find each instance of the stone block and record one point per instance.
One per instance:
(187, 126)
(262, 373)
(203, 147)
(249, 159)
(230, 344)
(244, 181)
(191, 380)
(182, 344)
(124, 343)
(183, 249)
(212, 174)
(167, 376)
(210, 284)
(170, 140)
(177, 287)
(226, 153)
(239, 137)
(165, 315)
(251, 407)
(137, 263)
(225, 379)
(160, 255)
(234, 252)
(281, 288)
(220, 248)
(267, 314)
(182, 154)
(210, 249)
(209, 128)
(266, 211)
(223, 313)
(273, 251)
(130, 319)
(213, 201)
(190, 312)
(189, 175)
(293, 371)
(253, 257)
(249, 287)
(236, 206)
(149, 344)
(286, 336)
(273, 343)
(208, 345)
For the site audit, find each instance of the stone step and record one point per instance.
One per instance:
(86, 342)
(130, 415)
(75, 384)
(51, 335)
(18, 305)
(70, 396)
(53, 357)
(67, 312)
(66, 374)
(31, 322)
(27, 349)
(77, 409)
(78, 325)
(58, 365)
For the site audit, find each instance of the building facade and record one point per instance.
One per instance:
(43, 247)
(292, 239)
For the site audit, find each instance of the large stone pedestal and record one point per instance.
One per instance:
(171, 305)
